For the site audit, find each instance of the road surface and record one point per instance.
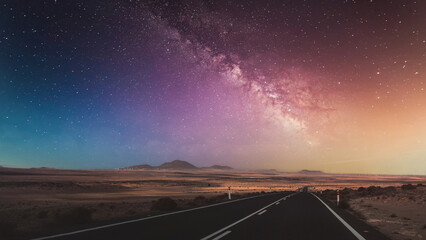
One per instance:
(272, 216)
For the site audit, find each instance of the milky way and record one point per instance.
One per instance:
(336, 86)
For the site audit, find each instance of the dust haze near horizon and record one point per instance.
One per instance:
(337, 86)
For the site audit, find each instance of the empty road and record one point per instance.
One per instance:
(273, 216)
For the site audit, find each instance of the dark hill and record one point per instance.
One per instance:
(142, 166)
(221, 167)
(177, 164)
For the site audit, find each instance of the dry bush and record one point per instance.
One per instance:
(200, 199)
(164, 204)
(344, 204)
(77, 215)
(408, 187)
(218, 198)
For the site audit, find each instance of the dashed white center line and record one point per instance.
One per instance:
(262, 212)
(277, 203)
(221, 235)
(242, 219)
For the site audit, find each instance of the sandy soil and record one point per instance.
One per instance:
(401, 215)
(397, 211)
(33, 200)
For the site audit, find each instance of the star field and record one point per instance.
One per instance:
(337, 86)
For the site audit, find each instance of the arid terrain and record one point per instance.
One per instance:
(33, 200)
(399, 212)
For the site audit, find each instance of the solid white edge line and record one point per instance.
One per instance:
(242, 219)
(353, 231)
(262, 212)
(142, 219)
(221, 235)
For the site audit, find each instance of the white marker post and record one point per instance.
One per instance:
(229, 192)
(338, 197)
(270, 189)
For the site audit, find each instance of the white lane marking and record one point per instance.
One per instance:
(242, 219)
(221, 235)
(277, 203)
(262, 212)
(142, 219)
(354, 232)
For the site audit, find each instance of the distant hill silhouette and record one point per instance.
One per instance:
(142, 166)
(174, 165)
(177, 164)
(304, 171)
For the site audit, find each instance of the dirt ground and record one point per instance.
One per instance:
(32, 200)
(396, 211)
(401, 215)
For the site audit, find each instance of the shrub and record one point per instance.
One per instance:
(393, 215)
(218, 198)
(408, 187)
(237, 196)
(200, 199)
(372, 188)
(77, 215)
(164, 204)
(346, 191)
(343, 204)
(361, 189)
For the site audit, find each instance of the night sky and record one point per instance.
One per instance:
(337, 86)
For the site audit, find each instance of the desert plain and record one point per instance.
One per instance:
(37, 199)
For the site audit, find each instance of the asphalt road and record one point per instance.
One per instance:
(272, 216)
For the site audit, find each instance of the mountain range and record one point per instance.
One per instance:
(174, 165)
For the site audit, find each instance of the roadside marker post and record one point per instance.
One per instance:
(338, 197)
(229, 192)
